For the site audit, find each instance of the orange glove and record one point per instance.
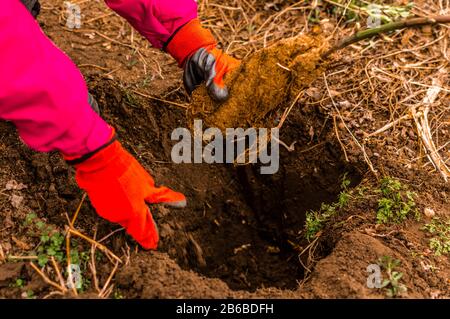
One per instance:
(195, 50)
(119, 188)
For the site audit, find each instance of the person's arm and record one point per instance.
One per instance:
(44, 95)
(156, 20)
(173, 25)
(41, 90)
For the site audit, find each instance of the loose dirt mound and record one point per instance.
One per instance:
(263, 83)
(353, 282)
(156, 275)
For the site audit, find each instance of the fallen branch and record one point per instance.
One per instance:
(46, 279)
(58, 274)
(75, 216)
(92, 263)
(104, 290)
(94, 269)
(369, 33)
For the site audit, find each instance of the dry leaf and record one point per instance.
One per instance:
(16, 200)
(21, 244)
(14, 185)
(429, 212)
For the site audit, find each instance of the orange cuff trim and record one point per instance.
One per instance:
(188, 40)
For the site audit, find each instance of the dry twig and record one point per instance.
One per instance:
(424, 131)
(46, 279)
(370, 33)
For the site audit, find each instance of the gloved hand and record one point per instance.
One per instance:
(33, 6)
(195, 50)
(119, 188)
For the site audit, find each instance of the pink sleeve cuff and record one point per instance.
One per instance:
(157, 20)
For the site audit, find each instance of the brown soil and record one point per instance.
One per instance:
(264, 82)
(238, 224)
(256, 213)
(238, 233)
(242, 233)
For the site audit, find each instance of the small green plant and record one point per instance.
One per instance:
(316, 220)
(30, 294)
(79, 258)
(396, 203)
(117, 294)
(344, 195)
(51, 245)
(51, 240)
(383, 12)
(18, 283)
(388, 13)
(440, 242)
(130, 98)
(85, 284)
(314, 16)
(392, 284)
(29, 219)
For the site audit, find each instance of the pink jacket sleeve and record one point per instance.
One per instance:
(41, 90)
(157, 20)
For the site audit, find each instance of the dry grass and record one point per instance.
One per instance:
(390, 80)
(244, 26)
(383, 81)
